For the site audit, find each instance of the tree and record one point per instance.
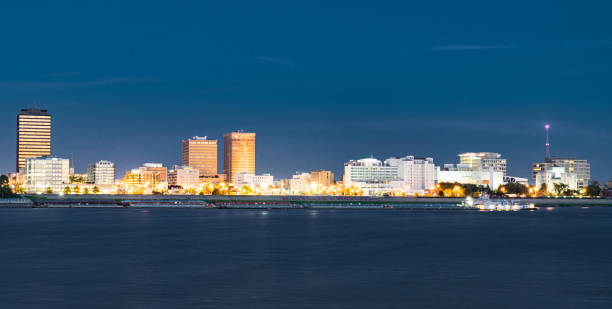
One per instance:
(560, 187)
(76, 190)
(96, 190)
(67, 190)
(85, 191)
(77, 179)
(516, 188)
(5, 188)
(49, 190)
(593, 189)
(543, 191)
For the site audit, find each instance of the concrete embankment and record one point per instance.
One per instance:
(259, 201)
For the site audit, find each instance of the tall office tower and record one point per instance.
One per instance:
(33, 135)
(238, 154)
(201, 153)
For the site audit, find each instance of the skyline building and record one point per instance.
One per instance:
(371, 176)
(46, 172)
(185, 176)
(418, 174)
(101, 173)
(322, 177)
(201, 153)
(33, 135)
(484, 161)
(238, 154)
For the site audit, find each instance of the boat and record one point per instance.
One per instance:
(484, 203)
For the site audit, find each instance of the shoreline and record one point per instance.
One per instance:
(269, 202)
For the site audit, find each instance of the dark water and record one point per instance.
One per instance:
(198, 258)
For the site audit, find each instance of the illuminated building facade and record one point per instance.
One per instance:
(417, 174)
(44, 173)
(322, 177)
(101, 173)
(184, 176)
(550, 174)
(484, 161)
(238, 154)
(201, 153)
(33, 135)
(371, 176)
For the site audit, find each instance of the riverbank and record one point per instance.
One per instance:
(260, 201)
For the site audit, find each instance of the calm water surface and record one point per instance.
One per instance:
(199, 258)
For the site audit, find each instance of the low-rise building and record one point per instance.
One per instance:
(322, 177)
(550, 174)
(101, 173)
(371, 176)
(46, 173)
(464, 174)
(484, 161)
(184, 176)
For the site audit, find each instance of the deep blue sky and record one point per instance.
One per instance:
(320, 82)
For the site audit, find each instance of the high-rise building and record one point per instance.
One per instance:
(484, 160)
(201, 153)
(238, 154)
(44, 173)
(33, 135)
(101, 173)
(322, 177)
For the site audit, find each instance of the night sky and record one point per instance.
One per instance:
(320, 82)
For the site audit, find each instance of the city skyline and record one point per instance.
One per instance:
(242, 145)
(130, 90)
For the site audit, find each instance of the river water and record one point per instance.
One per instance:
(208, 258)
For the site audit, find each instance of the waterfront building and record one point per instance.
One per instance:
(322, 177)
(184, 176)
(484, 161)
(201, 153)
(33, 135)
(465, 174)
(264, 181)
(549, 174)
(101, 173)
(371, 176)
(157, 169)
(299, 183)
(238, 154)
(151, 177)
(45, 173)
(609, 184)
(580, 168)
(417, 174)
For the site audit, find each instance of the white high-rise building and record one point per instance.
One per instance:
(47, 172)
(101, 173)
(418, 174)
